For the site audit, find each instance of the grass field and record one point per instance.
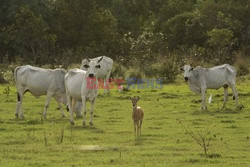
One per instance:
(110, 141)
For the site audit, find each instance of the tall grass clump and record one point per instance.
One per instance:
(202, 138)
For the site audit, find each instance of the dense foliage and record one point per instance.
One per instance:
(132, 32)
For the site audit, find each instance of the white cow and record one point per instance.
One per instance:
(78, 88)
(200, 79)
(105, 70)
(103, 73)
(38, 82)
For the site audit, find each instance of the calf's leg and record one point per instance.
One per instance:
(135, 127)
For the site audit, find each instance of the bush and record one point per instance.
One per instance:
(165, 68)
(242, 65)
(6, 74)
(134, 72)
(118, 70)
(2, 79)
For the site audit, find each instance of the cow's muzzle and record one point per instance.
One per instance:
(186, 78)
(91, 75)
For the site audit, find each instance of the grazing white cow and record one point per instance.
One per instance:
(200, 79)
(106, 67)
(38, 82)
(78, 88)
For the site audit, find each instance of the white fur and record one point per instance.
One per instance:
(38, 82)
(200, 79)
(76, 87)
(106, 67)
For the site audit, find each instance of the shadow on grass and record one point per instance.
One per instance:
(220, 111)
(230, 111)
(139, 140)
(205, 156)
(85, 127)
(203, 112)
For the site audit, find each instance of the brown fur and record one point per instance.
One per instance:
(137, 116)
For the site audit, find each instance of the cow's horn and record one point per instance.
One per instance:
(100, 59)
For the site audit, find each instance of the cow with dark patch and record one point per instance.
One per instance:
(38, 82)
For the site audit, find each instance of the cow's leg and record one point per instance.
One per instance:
(106, 88)
(203, 99)
(69, 103)
(225, 95)
(105, 82)
(59, 102)
(84, 110)
(78, 111)
(92, 111)
(19, 104)
(74, 105)
(235, 94)
(62, 111)
(47, 101)
(71, 111)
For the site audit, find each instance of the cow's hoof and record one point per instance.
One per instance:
(78, 116)
(72, 123)
(22, 116)
(91, 123)
(64, 116)
(203, 108)
(239, 107)
(83, 123)
(16, 115)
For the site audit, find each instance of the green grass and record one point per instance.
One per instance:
(110, 141)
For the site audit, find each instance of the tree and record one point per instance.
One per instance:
(29, 36)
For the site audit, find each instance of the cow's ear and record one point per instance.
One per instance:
(98, 66)
(138, 98)
(181, 69)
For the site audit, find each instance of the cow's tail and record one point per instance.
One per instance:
(16, 81)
